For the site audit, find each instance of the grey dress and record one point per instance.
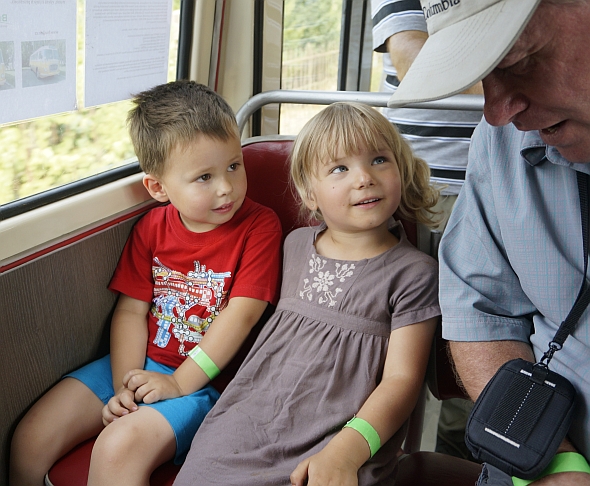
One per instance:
(314, 364)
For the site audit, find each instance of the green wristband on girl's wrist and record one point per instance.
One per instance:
(204, 362)
(367, 431)
(562, 462)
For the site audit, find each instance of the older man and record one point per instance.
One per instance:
(512, 260)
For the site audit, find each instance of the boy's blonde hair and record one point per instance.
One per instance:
(174, 114)
(352, 126)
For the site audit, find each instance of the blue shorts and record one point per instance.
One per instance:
(184, 414)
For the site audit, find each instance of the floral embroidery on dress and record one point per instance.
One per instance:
(324, 280)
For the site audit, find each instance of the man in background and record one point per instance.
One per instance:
(441, 138)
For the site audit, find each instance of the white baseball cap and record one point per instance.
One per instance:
(466, 40)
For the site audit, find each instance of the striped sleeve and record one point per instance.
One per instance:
(393, 16)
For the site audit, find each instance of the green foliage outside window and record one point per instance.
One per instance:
(311, 22)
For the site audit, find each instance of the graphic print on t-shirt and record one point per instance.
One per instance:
(186, 305)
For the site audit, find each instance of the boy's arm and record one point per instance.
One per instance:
(221, 342)
(129, 335)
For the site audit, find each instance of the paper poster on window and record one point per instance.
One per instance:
(37, 58)
(127, 44)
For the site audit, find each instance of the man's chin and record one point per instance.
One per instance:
(574, 149)
(575, 155)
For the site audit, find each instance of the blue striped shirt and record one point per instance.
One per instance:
(511, 257)
(440, 137)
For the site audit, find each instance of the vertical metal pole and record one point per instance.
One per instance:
(185, 38)
(258, 56)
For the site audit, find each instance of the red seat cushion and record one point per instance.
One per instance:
(72, 469)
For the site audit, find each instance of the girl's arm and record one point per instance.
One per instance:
(386, 409)
(129, 335)
(221, 342)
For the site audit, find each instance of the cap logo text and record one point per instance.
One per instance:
(439, 7)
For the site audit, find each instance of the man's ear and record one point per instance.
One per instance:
(155, 188)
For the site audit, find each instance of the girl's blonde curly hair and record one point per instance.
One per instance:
(351, 127)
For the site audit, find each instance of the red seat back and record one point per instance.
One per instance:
(267, 167)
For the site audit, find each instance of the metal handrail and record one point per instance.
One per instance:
(457, 102)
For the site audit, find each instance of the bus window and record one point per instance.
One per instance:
(311, 46)
(327, 46)
(52, 151)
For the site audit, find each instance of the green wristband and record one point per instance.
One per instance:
(204, 362)
(367, 431)
(562, 462)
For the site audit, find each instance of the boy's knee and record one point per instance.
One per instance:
(115, 441)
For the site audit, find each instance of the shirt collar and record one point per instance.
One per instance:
(534, 151)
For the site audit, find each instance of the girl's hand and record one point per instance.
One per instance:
(326, 468)
(151, 387)
(120, 404)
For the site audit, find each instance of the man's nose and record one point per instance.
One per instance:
(502, 101)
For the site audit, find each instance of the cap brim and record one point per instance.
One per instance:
(456, 57)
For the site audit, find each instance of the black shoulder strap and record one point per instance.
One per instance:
(583, 299)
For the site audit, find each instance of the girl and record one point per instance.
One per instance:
(324, 395)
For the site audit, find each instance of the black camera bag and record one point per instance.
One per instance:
(520, 418)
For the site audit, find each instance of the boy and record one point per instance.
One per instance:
(211, 256)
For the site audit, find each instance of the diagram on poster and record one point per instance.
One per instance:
(37, 58)
(127, 44)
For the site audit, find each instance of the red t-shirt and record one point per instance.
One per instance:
(189, 277)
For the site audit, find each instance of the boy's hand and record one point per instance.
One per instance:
(120, 404)
(151, 387)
